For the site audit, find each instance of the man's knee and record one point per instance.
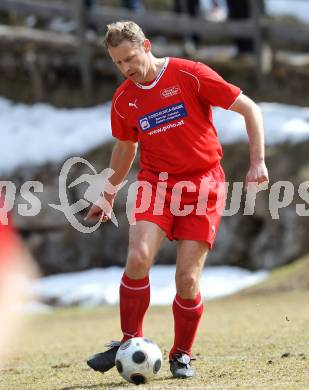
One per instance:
(138, 262)
(187, 285)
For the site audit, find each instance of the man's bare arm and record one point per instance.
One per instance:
(254, 125)
(123, 155)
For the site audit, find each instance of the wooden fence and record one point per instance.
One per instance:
(168, 24)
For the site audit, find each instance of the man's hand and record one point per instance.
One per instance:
(257, 174)
(122, 158)
(102, 208)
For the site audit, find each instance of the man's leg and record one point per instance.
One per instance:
(187, 305)
(145, 240)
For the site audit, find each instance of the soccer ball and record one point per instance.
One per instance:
(138, 360)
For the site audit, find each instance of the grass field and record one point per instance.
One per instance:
(258, 339)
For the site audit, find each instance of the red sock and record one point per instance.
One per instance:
(187, 315)
(134, 301)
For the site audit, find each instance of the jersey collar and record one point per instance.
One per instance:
(156, 80)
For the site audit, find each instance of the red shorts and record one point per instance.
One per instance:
(185, 208)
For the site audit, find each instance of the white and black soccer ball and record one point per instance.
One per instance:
(138, 360)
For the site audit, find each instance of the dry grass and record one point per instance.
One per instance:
(247, 341)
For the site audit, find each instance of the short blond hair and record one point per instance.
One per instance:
(124, 30)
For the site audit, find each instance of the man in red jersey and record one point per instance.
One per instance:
(15, 267)
(165, 106)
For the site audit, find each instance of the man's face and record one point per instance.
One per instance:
(132, 59)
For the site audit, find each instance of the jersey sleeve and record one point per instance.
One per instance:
(213, 89)
(121, 129)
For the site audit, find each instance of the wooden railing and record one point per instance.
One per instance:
(164, 23)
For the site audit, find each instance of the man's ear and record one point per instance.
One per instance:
(147, 45)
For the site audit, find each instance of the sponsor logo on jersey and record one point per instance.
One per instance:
(171, 91)
(145, 125)
(164, 115)
(133, 104)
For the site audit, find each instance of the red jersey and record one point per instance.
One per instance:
(8, 239)
(171, 117)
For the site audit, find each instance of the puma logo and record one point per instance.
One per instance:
(133, 104)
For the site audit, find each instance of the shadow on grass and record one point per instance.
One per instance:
(98, 386)
(111, 385)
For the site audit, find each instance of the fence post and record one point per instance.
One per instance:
(80, 12)
(255, 11)
(35, 73)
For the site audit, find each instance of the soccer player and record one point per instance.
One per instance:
(14, 264)
(164, 105)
